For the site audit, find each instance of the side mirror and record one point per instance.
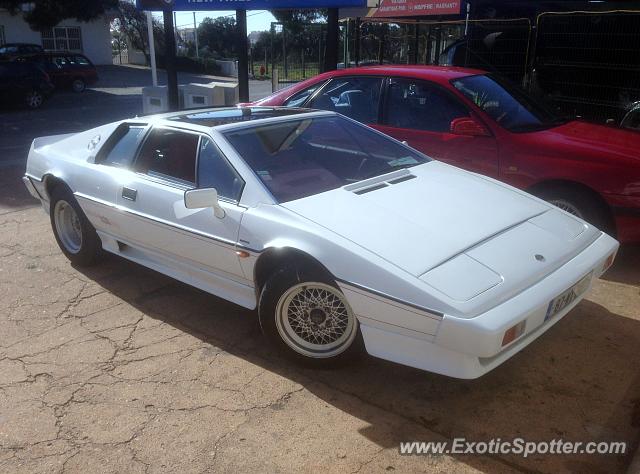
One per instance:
(203, 198)
(468, 127)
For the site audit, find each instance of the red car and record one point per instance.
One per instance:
(66, 69)
(476, 121)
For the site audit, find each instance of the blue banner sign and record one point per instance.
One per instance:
(209, 5)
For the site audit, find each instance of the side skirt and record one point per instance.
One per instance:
(225, 288)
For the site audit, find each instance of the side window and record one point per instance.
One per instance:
(121, 146)
(81, 60)
(169, 153)
(214, 171)
(60, 61)
(300, 98)
(419, 105)
(355, 97)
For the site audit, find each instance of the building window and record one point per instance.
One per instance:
(62, 38)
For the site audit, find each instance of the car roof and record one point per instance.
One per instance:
(20, 44)
(214, 117)
(435, 73)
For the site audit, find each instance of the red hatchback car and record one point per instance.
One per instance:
(473, 120)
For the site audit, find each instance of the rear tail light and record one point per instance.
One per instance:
(513, 333)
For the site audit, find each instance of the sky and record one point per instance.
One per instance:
(257, 20)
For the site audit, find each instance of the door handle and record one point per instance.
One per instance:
(129, 194)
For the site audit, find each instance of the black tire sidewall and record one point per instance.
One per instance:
(91, 245)
(270, 294)
(27, 99)
(84, 85)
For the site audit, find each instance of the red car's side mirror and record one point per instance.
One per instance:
(469, 127)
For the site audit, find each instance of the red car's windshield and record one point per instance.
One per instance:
(506, 104)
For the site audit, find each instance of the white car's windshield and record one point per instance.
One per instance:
(299, 158)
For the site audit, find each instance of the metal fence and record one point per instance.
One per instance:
(588, 64)
(292, 55)
(581, 63)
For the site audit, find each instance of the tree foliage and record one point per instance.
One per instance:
(219, 36)
(132, 24)
(48, 13)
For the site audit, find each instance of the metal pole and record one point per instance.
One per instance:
(152, 49)
(356, 46)
(333, 33)
(243, 56)
(175, 28)
(195, 33)
(416, 43)
(170, 60)
(285, 65)
(466, 21)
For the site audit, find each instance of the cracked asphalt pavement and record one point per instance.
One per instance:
(117, 368)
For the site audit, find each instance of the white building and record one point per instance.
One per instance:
(93, 39)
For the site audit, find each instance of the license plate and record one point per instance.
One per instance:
(565, 299)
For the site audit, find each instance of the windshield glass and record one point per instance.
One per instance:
(299, 158)
(506, 104)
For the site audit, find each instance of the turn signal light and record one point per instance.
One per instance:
(513, 333)
(242, 254)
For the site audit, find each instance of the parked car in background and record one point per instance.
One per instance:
(66, 69)
(478, 122)
(24, 83)
(9, 51)
(334, 232)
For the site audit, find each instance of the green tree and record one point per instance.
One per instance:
(132, 24)
(43, 14)
(219, 36)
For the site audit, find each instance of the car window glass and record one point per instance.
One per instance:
(506, 104)
(124, 148)
(300, 98)
(419, 105)
(60, 60)
(214, 171)
(355, 97)
(80, 60)
(169, 153)
(299, 158)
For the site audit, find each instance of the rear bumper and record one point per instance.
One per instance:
(469, 348)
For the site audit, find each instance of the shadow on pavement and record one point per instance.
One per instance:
(578, 382)
(626, 268)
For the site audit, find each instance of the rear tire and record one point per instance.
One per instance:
(34, 99)
(308, 318)
(78, 85)
(74, 233)
(579, 204)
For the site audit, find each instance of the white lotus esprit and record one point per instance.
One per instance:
(336, 233)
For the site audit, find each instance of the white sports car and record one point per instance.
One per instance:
(336, 233)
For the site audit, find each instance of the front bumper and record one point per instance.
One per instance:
(469, 348)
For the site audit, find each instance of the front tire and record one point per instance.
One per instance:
(308, 318)
(74, 233)
(579, 204)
